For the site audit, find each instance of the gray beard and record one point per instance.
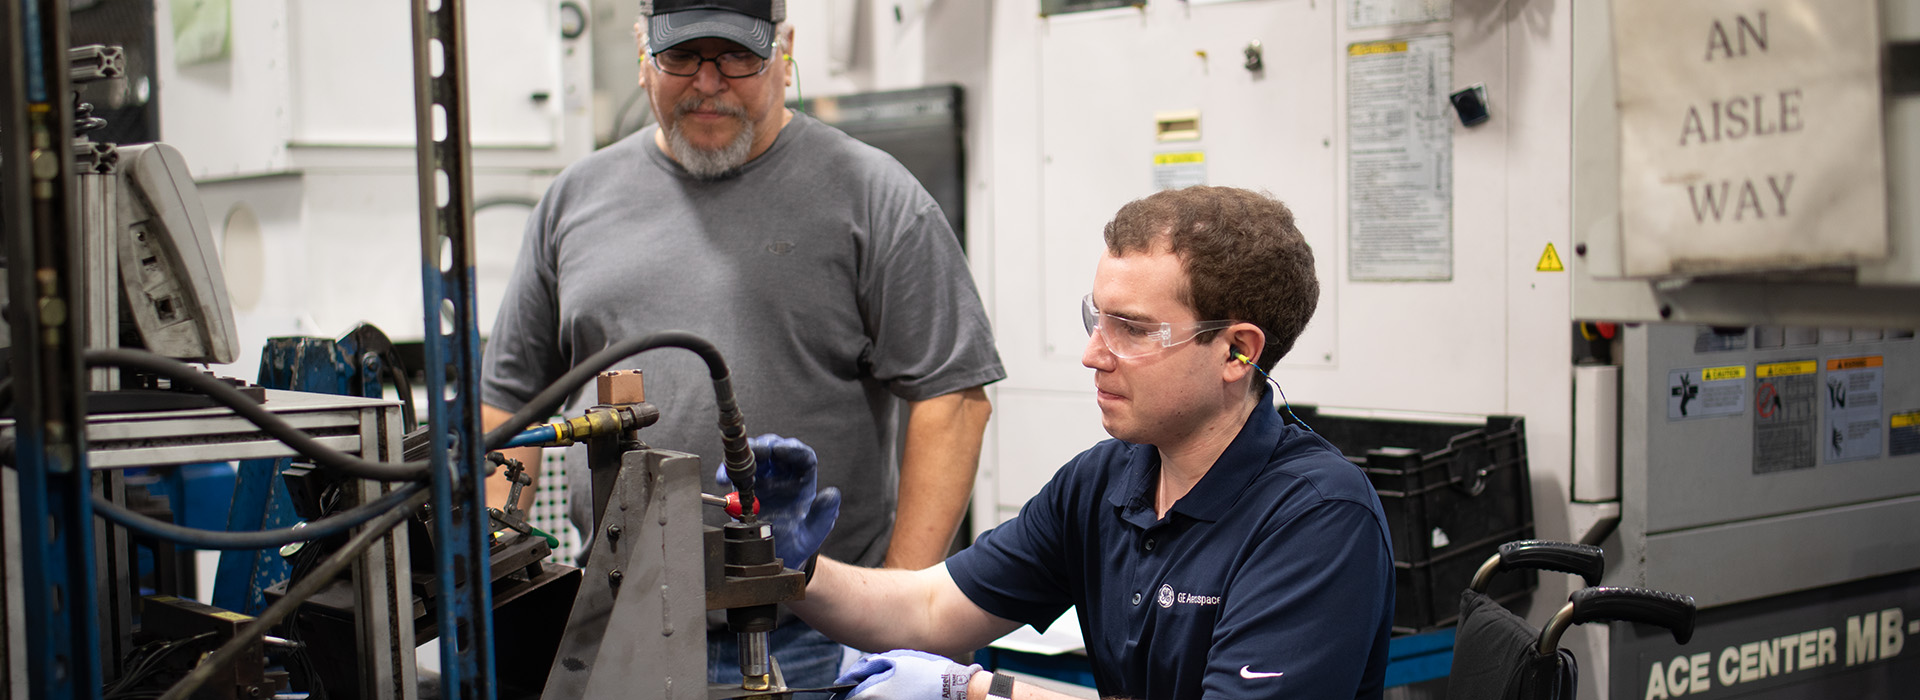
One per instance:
(711, 164)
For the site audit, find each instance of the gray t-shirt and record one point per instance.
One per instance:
(823, 272)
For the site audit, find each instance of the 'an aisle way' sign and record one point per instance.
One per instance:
(1750, 135)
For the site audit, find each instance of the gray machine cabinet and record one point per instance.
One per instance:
(1844, 641)
(1785, 498)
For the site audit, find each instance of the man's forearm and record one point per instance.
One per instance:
(868, 609)
(497, 485)
(881, 609)
(937, 471)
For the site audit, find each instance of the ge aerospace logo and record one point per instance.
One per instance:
(1166, 596)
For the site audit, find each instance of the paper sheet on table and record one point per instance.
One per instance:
(1061, 637)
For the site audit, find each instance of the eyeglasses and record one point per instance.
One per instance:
(1128, 339)
(732, 64)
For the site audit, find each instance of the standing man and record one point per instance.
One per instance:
(1211, 550)
(824, 273)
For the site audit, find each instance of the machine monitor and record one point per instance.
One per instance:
(175, 292)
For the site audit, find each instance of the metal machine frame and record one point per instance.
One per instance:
(452, 345)
(655, 495)
(43, 228)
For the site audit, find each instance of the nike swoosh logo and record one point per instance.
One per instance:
(1246, 672)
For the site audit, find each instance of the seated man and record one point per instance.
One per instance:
(1211, 550)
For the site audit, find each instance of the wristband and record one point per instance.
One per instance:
(1001, 687)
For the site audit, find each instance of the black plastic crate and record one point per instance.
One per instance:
(1453, 493)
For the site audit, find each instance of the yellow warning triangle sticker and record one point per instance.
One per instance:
(1550, 261)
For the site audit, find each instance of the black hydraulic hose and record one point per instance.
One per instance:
(301, 442)
(738, 456)
(260, 539)
(733, 431)
(408, 413)
(298, 593)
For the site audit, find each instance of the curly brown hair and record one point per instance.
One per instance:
(1243, 256)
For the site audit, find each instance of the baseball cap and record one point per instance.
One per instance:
(748, 23)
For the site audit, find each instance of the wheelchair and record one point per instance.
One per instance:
(1498, 655)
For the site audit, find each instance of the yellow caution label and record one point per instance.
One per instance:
(1550, 261)
(1785, 369)
(1716, 374)
(1838, 364)
(1180, 158)
(1904, 420)
(234, 616)
(1366, 48)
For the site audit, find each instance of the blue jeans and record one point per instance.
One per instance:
(807, 658)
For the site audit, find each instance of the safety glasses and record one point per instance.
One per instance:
(1128, 339)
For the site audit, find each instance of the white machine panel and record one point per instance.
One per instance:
(353, 73)
(1493, 338)
(1054, 426)
(317, 254)
(229, 116)
(302, 135)
(1104, 78)
(1428, 346)
(309, 85)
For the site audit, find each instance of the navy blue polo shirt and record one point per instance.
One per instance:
(1272, 578)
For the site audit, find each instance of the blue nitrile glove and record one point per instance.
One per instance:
(905, 674)
(786, 472)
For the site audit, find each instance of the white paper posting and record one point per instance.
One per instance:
(1400, 159)
(1750, 135)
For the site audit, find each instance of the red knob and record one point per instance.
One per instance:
(733, 505)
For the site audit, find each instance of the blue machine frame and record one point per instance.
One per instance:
(49, 382)
(37, 196)
(452, 352)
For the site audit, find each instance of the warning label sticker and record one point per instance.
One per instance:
(1853, 408)
(1550, 261)
(1708, 392)
(1172, 171)
(1783, 416)
(1903, 434)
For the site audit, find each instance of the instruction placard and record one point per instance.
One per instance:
(1708, 392)
(1853, 408)
(1783, 415)
(1400, 159)
(1750, 135)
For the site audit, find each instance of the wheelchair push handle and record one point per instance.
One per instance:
(1586, 561)
(1601, 603)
